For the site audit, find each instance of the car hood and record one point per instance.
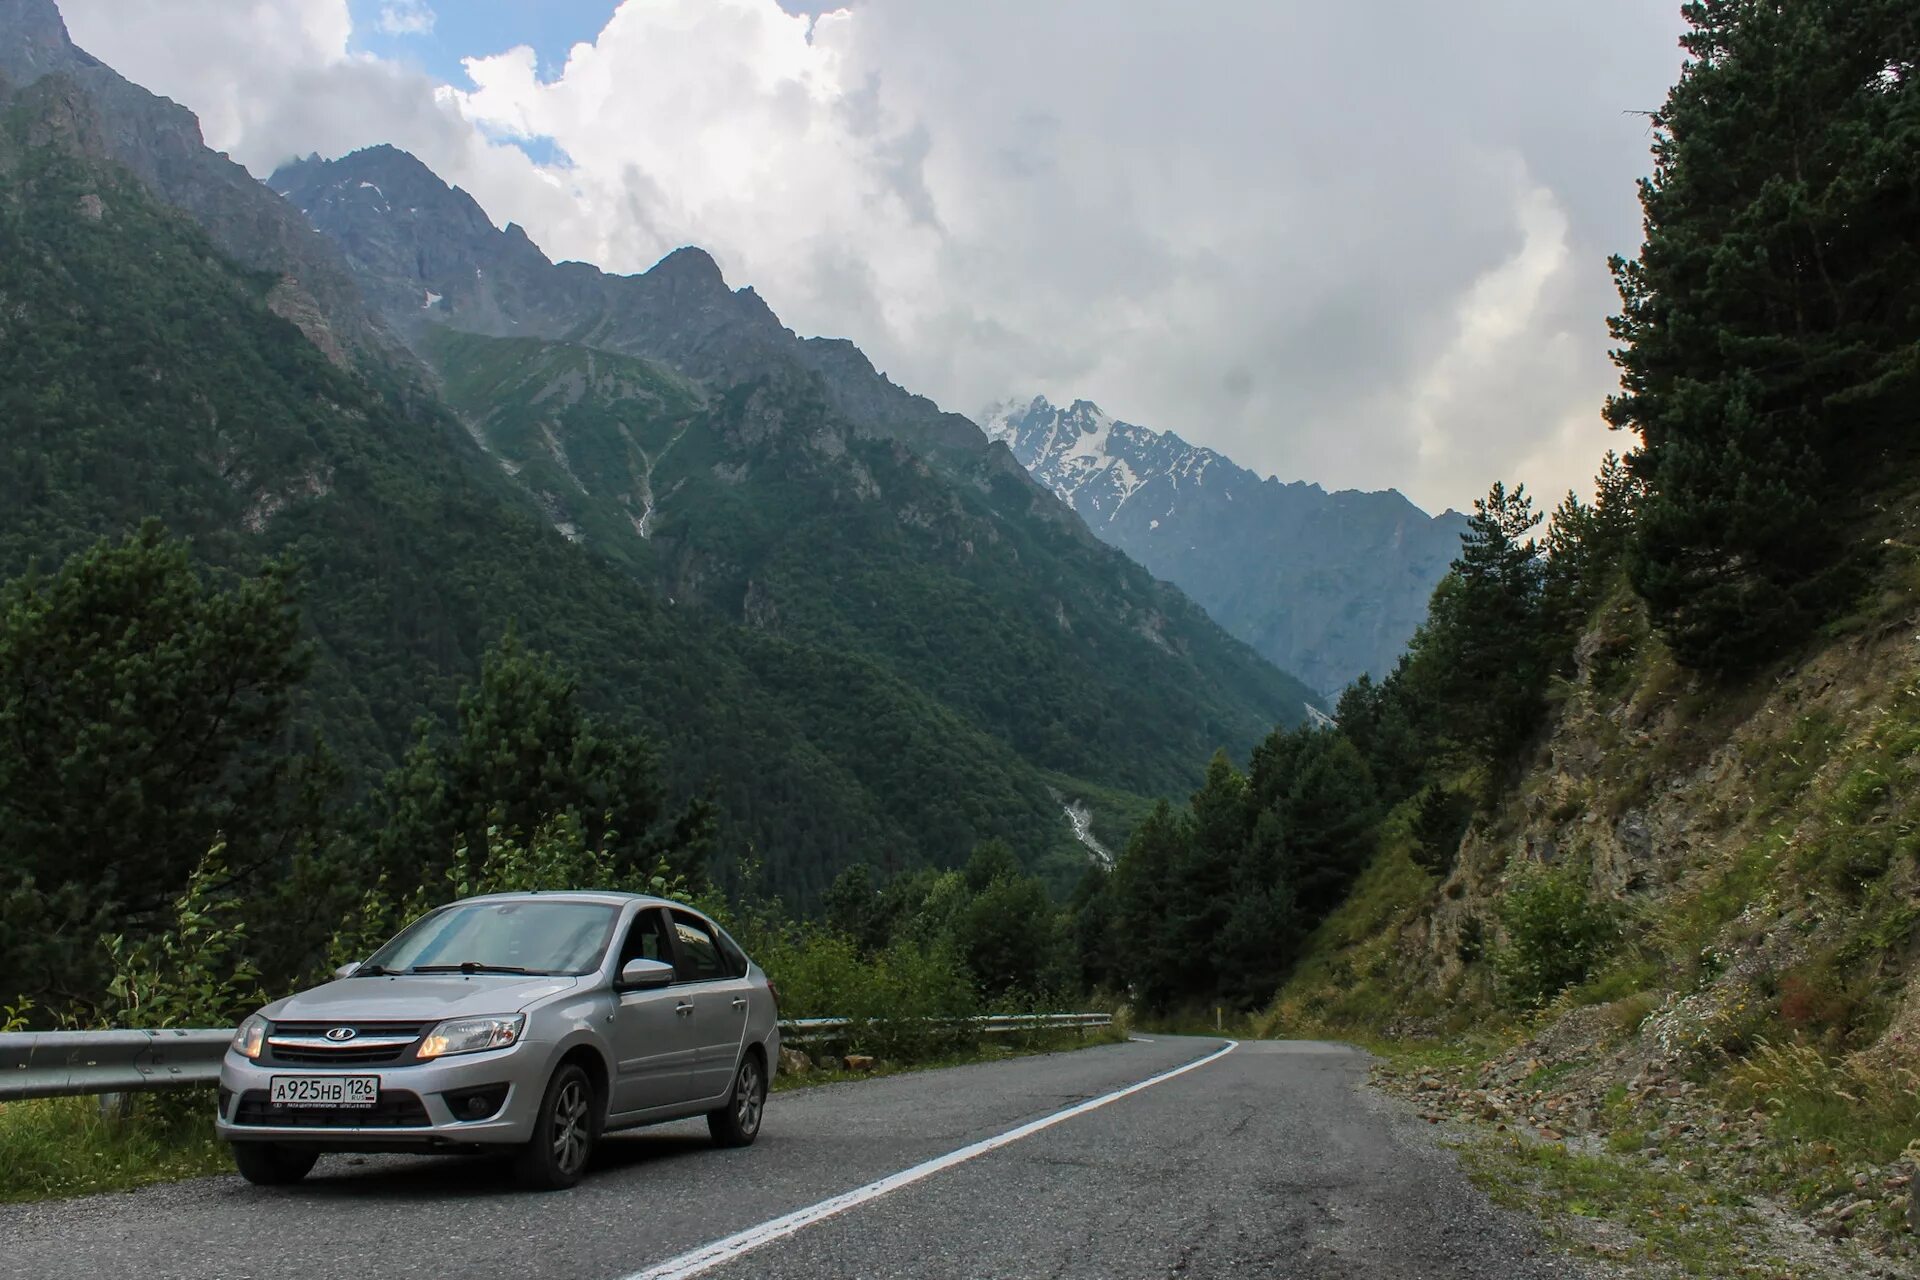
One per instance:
(417, 997)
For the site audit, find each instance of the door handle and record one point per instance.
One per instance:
(684, 1008)
(739, 1002)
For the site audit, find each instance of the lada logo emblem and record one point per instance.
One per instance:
(338, 1034)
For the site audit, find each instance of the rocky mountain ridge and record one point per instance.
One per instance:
(159, 141)
(426, 253)
(1326, 585)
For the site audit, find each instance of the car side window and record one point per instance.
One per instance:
(646, 939)
(697, 955)
(730, 952)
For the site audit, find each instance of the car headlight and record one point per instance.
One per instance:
(470, 1035)
(251, 1037)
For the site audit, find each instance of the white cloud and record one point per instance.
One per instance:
(1357, 244)
(406, 18)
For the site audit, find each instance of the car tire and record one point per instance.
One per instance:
(738, 1123)
(564, 1133)
(268, 1164)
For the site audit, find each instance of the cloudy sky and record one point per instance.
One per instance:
(1358, 244)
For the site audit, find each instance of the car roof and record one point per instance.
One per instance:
(605, 897)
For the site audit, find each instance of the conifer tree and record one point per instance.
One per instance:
(1144, 891)
(1769, 324)
(1481, 655)
(1325, 808)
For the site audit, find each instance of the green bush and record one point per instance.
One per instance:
(193, 971)
(905, 1003)
(1555, 936)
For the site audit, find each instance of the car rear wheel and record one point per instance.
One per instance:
(268, 1164)
(738, 1123)
(563, 1133)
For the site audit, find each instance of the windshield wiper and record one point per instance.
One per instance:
(470, 966)
(374, 971)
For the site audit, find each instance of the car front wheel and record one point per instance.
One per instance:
(563, 1133)
(268, 1164)
(738, 1123)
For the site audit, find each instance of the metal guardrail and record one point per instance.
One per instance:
(57, 1064)
(62, 1064)
(806, 1030)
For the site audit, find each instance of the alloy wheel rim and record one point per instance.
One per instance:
(570, 1127)
(750, 1097)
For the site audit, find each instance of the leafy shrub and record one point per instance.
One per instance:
(192, 972)
(907, 1002)
(1556, 936)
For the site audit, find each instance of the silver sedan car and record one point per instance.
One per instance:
(528, 1021)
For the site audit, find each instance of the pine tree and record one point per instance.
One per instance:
(1387, 726)
(1586, 548)
(1769, 324)
(1481, 658)
(1095, 931)
(1440, 818)
(1320, 792)
(1144, 890)
(1218, 825)
(1263, 927)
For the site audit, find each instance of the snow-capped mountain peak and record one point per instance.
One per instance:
(1325, 584)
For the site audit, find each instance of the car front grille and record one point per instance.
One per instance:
(396, 1109)
(305, 1044)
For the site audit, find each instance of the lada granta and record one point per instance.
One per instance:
(531, 1022)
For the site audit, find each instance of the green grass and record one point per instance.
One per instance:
(1835, 1111)
(1686, 1223)
(52, 1148)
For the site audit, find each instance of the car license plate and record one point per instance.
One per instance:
(325, 1091)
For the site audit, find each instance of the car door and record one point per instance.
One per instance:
(653, 1045)
(718, 995)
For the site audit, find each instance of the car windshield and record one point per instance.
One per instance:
(501, 937)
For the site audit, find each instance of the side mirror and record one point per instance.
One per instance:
(644, 975)
(347, 970)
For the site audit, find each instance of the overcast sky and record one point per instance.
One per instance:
(1360, 244)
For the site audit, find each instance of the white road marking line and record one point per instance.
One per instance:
(1140, 1039)
(707, 1257)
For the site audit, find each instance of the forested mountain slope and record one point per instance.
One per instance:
(861, 659)
(149, 377)
(673, 424)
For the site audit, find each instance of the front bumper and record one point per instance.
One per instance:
(413, 1111)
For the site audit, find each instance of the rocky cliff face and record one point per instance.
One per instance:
(1750, 1016)
(1326, 585)
(159, 142)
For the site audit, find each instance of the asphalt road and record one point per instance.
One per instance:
(1273, 1159)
